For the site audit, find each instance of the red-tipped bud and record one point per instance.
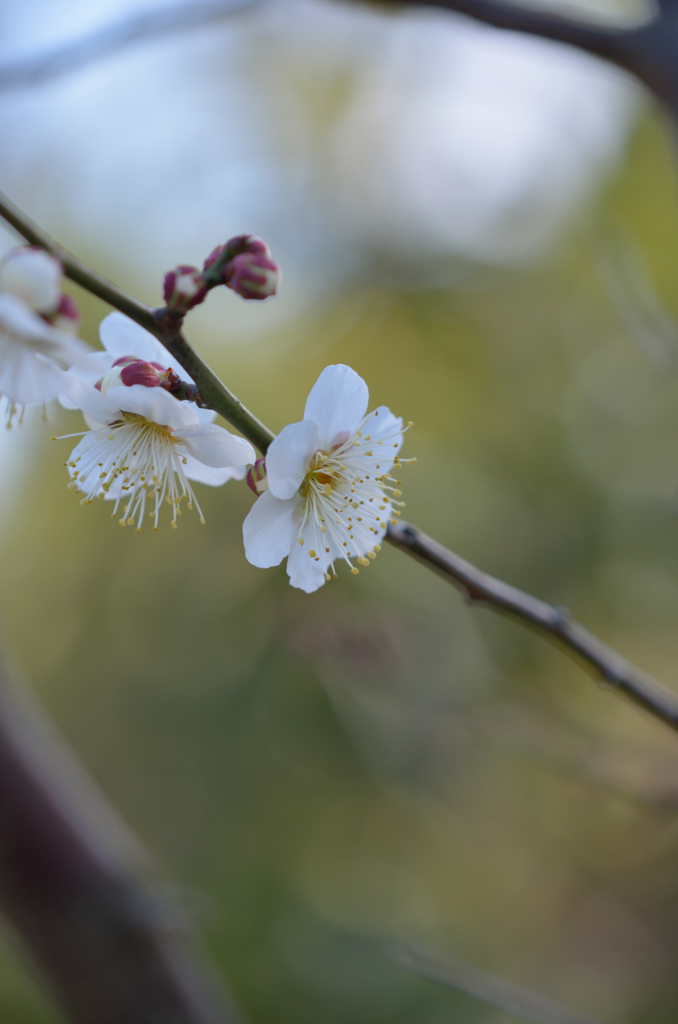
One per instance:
(67, 315)
(234, 247)
(151, 375)
(184, 288)
(128, 370)
(252, 275)
(256, 477)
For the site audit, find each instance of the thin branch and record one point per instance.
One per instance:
(117, 35)
(649, 51)
(74, 886)
(160, 322)
(489, 988)
(554, 623)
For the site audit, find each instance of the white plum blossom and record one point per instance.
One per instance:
(330, 495)
(145, 446)
(32, 350)
(33, 276)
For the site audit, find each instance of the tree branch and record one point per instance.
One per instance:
(650, 52)
(72, 885)
(117, 35)
(160, 322)
(555, 624)
(478, 586)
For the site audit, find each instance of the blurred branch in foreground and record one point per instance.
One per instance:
(489, 988)
(73, 886)
(134, 28)
(648, 51)
(478, 586)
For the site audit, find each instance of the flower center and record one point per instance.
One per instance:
(324, 471)
(133, 461)
(346, 499)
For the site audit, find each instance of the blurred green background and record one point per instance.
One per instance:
(324, 777)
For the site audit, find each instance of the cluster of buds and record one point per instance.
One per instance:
(243, 264)
(35, 277)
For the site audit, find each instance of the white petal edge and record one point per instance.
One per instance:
(304, 572)
(25, 378)
(337, 402)
(213, 476)
(214, 446)
(81, 395)
(155, 404)
(268, 530)
(288, 457)
(385, 425)
(121, 336)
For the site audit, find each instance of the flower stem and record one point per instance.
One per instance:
(162, 323)
(554, 623)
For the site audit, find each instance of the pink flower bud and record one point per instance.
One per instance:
(128, 370)
(256, 477)
(252, 275)
(184, 288)
(234, 247)
(32, 275)
(151, 375)
(67, 316)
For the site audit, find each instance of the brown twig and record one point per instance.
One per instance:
(162, 323)
(150, 24)
(74, 886)
(478, 586)
(554, 623)
(649, 51)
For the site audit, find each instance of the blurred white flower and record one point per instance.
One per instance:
(34, 276)
(31, 349)
(328, 478)
(144, 444)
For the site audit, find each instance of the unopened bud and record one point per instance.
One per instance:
(256, 477)
(66, 317)
(34, 276)
(151, 375)
(234, 247)
(128, 370)
(184, 288)
(252, 275)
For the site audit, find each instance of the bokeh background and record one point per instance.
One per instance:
(486, 228)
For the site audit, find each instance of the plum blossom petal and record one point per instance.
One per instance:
(30, 350)
(332, 472)
(26, 377)
(213, 446)
(269, 529)
(213, 476)
(288, 457)
(154, 404)
(145, 447)
(99, 408)
(121, 336)
(33, 276)
(304, 572)
(337, 402)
